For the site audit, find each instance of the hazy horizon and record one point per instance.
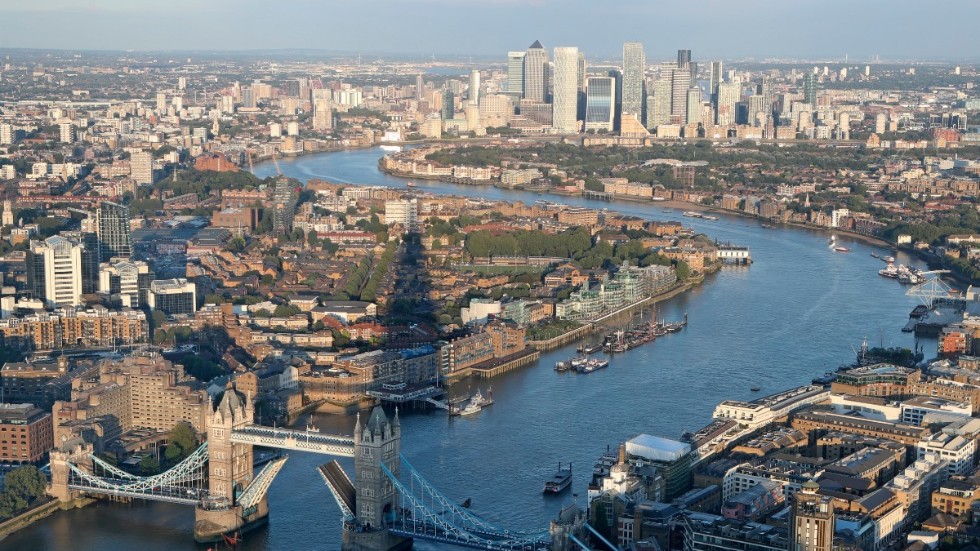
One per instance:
(759, 29)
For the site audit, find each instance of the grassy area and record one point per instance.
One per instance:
(551, 329)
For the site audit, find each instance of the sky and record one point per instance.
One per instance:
(713, 29)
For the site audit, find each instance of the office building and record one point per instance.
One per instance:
(600, 104)
(565, 104)
(59, 263)
(125, 281)
(172, 296)
(811, 520)
(26, 433)
(141, 167)
(717, 77)
(536, 73)
(683, 58)
(474, 90)
(113, 230)
(633, 83)
(515, 75)
(680, 79)
(419, 87)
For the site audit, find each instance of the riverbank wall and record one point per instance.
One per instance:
(39, 512)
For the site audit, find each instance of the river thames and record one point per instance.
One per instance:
(799, 311)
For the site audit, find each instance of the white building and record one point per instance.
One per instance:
(141, 167)
(62, 270)
(837, 217)
(6, 134)
(404, 212)
(121, 278)
(761, 412)
(66, 132)
(172, 296)
(565, 103)
(479, 310)
(958, 450)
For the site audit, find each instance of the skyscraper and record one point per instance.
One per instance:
(474, 91)
(536, 73)
(729, 93)
(693, 115)
(634, 92)
(717, 77)
(419, 86)
(811, 525)
(658, 108)
(565, 104)
(113, 226)
(600, 103)
(810, 88)
(448, 104)
(515, 75)
(284, 206)
(680, 78)
(683, 58)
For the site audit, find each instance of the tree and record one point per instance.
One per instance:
(183, 435)
(26, 482)
(149, 465)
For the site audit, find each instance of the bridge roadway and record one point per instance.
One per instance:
(299, 440)
(168, 494)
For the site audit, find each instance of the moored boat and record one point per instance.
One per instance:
(561, 480)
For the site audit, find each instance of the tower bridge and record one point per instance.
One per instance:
(386, 506)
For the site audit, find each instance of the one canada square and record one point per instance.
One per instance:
(634, 65)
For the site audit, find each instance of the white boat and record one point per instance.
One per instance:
(470, 409)
(394, 148)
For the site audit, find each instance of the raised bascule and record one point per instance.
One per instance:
(385, 507)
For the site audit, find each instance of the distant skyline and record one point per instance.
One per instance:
(822, 29)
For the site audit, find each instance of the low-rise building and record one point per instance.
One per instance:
(26, 434)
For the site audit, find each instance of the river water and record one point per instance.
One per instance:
(800, 310)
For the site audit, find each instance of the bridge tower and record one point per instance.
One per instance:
(75, 452)
(376, 443)
(229, 473)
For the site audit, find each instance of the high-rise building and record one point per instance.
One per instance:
(284, 206)
(141, 167)
(729, 93)
(658, 105)
(515, 75)
(694, 106)
(448, 104)
(600, 103)
(66, 132)
(683, 58)
(113, 230)
(161, 102)
(6, 134)
(565, 104)
(59, 262)
(322, 114)
(680, 78)
(7, 217)
(127, 280)
(810, 89)
(717, 77)
(172, 296)
(474, 90)
(419, 87)
(811, 525)
(404, 212)
(633, 89)
(181, 83)
(536, 73)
